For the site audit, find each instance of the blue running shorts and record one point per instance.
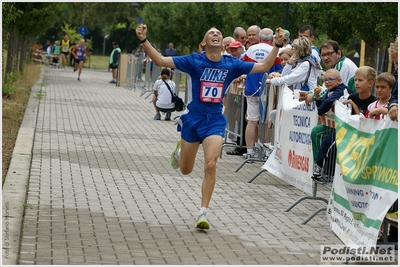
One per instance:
(196, 127)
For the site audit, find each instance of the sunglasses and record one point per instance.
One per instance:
(330, 79)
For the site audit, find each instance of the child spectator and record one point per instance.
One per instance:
(384, 85)
(336, 89)
(364, 80)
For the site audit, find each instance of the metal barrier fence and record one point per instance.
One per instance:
(268, 97)
(329, 164)
(134, 72)
(234, 111)
(136, 65)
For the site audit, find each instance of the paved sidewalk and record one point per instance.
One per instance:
(101, 190)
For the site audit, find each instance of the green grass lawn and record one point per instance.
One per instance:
(97, 62)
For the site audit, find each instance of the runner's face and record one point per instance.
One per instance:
(214, 38)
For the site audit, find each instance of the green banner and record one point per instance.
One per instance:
(366, 158)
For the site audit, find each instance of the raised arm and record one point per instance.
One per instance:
(157, 58)
(270, 59)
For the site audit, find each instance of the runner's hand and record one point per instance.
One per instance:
(141, 31)
(279, 35)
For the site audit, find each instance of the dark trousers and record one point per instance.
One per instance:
(327, 152)
(244, 109)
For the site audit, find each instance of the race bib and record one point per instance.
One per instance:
(65, 48)
(211, 92)
(79, 54)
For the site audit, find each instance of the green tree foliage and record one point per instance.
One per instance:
(375, 23)
(24, 21)
(74, 35)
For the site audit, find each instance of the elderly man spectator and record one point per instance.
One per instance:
(261, 47)
(235, 49)
(239, 34)
(225, 43)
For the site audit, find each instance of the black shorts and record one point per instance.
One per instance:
(65, 53)
(111, 66)
(78, 60)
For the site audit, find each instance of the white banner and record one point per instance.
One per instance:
(292, 159)
(366, 178)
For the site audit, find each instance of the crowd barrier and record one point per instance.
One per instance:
(234, 111)
(265, 134)
(359, 172)
(134, 76)
(286, 128)
(135, 66)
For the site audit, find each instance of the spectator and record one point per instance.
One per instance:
(235, 49)
(170, 52)
(261, 48)
(364, 80)
(254, 33)
(284, 56)
(225, 43)
(239, 34)
(164, 88)
(332, 57)
(393, 101)
(383, 86)
(114, 58)
(308, 31)
(65, 45)
(79, 55)
(49, 50)
(204, 123)
(286, 42)
(337, 89)
(46, 45)
(295, 78)
(55, 53)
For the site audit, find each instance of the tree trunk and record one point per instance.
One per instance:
(16, 50)
(22, 53)
(10, 50)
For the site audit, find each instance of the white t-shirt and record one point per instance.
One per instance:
(164, 96)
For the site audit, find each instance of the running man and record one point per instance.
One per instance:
(203, 121)
(79, 55)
